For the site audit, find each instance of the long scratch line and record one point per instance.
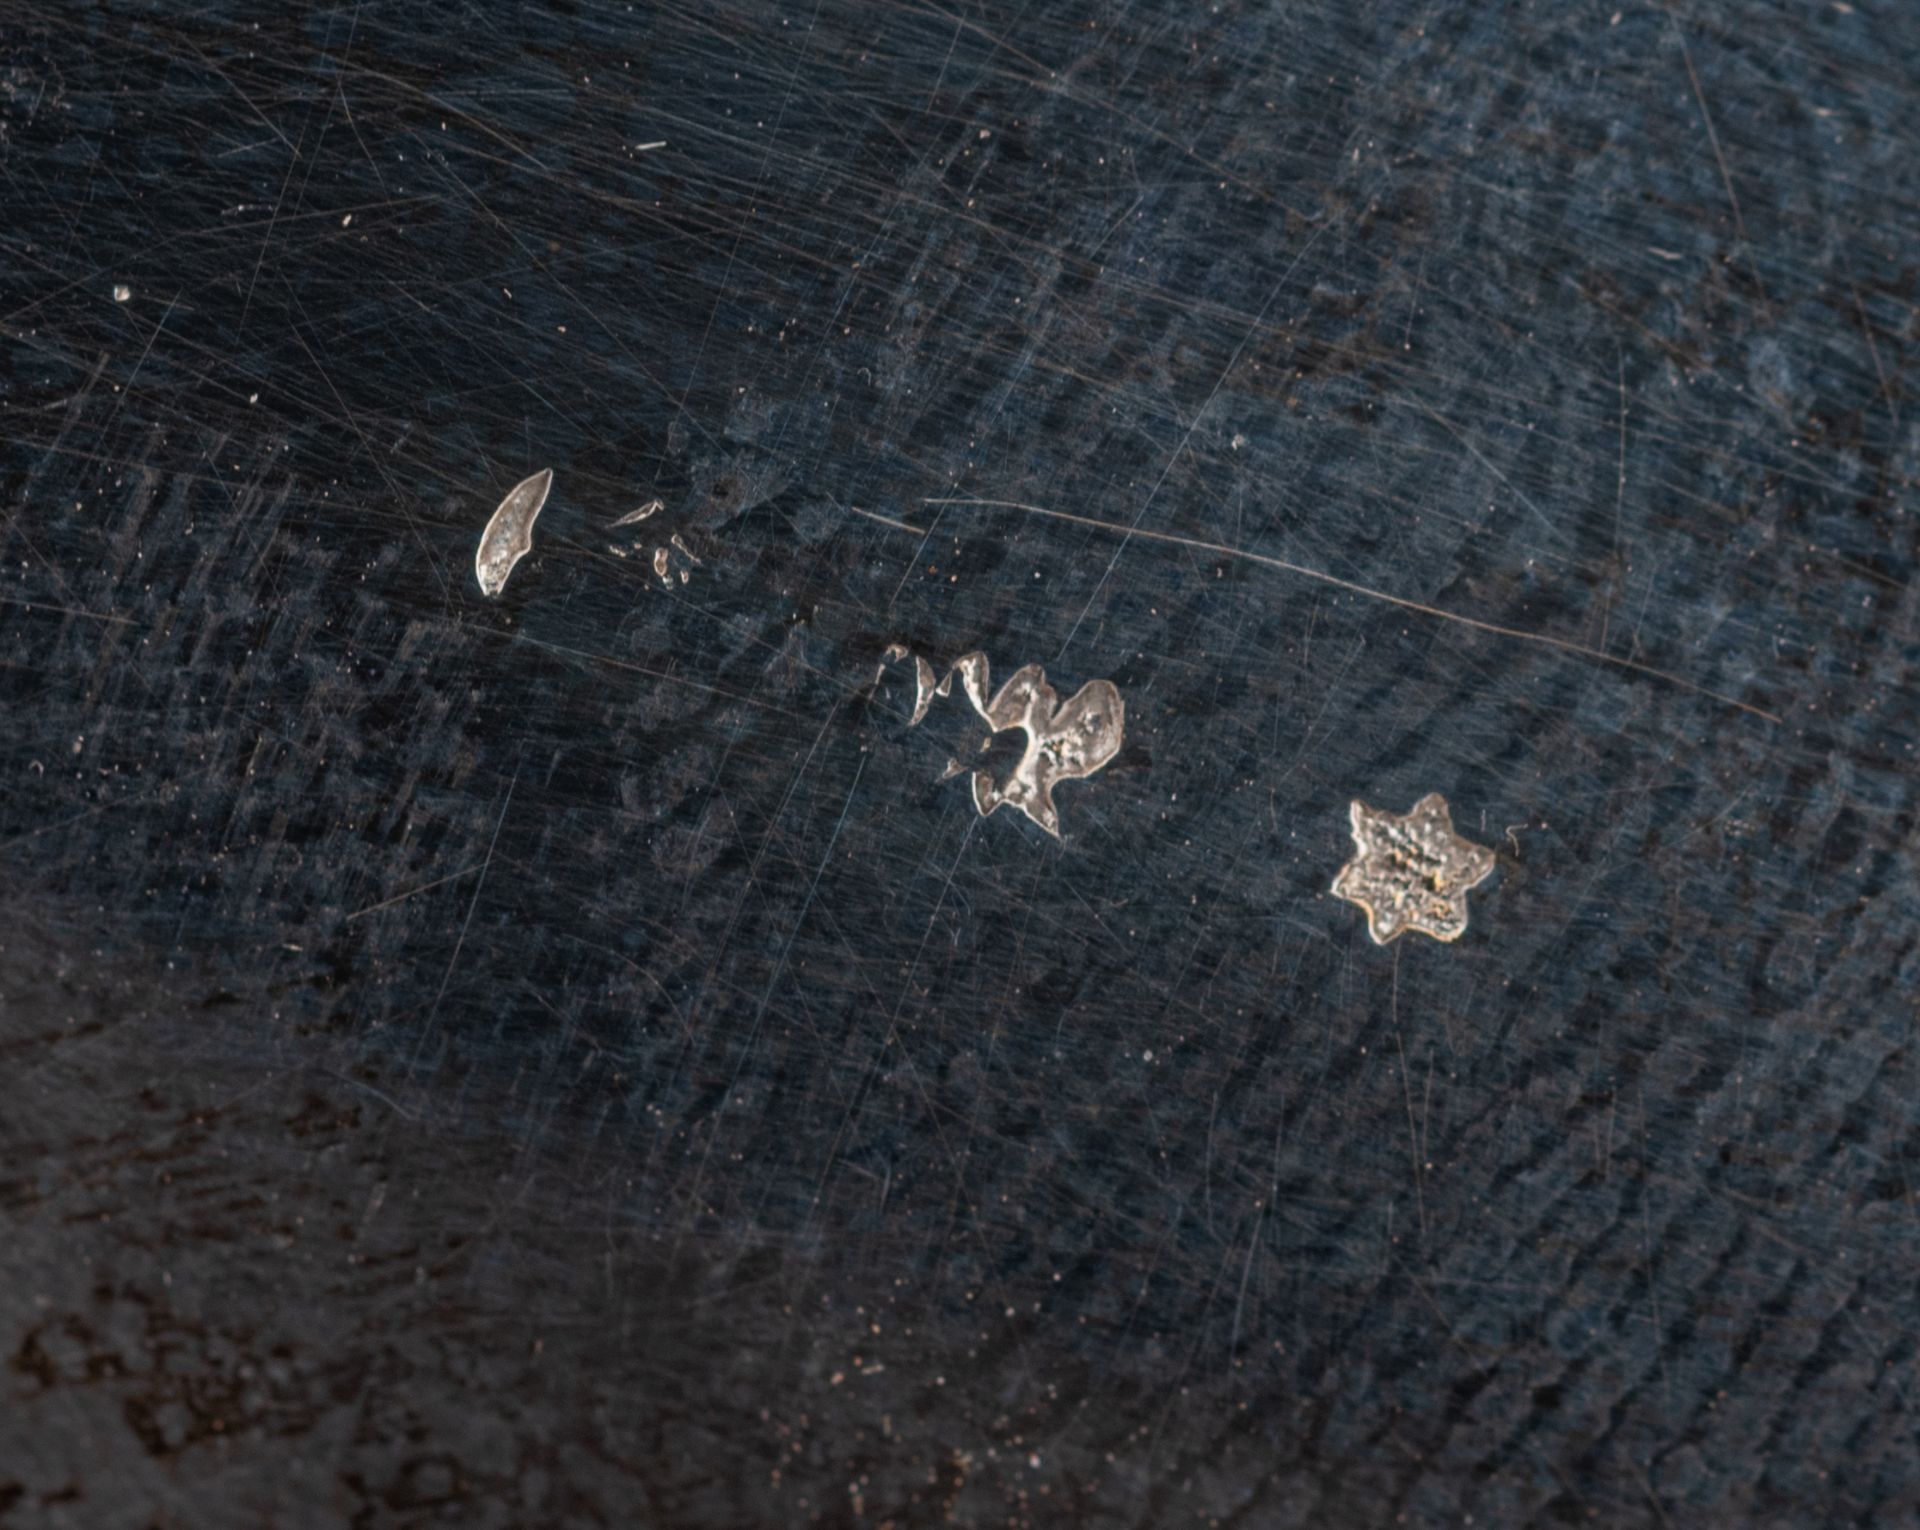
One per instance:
(1720, 159)
(374, 908)
(1220, 549)
(1129, 532)
(472, 903)
(887, 520)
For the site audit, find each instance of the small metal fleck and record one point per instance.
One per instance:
(892, 653)
(923, 689)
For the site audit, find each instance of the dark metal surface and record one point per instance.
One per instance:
(568, 1059)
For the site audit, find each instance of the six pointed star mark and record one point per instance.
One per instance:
(1411, 871)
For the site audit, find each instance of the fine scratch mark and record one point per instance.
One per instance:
(266, 240)
(453, 961)
(1866, 328)
(374, 908)
(1648, 1269)
(92, 616)
(362, 1084)
(1713, 137)
(692, 682)
(786, 951)
(126, 390)
(887, 520)
(1619, 496)
(1486, 462)
(1192, 425)
(509, 534)
(1220, 549)
(1720, 159)
(1406, 1090)
(1260, 1213)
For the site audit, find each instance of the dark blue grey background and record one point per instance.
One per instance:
(566, 1061)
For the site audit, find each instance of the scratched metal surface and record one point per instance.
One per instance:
(567, 1060)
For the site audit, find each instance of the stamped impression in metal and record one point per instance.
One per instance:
(1066, 741)
(509, 533)
(1411, 871)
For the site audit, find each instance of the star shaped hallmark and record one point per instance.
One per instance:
(1412, 871)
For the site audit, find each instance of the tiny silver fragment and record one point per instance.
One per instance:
(923, 689)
